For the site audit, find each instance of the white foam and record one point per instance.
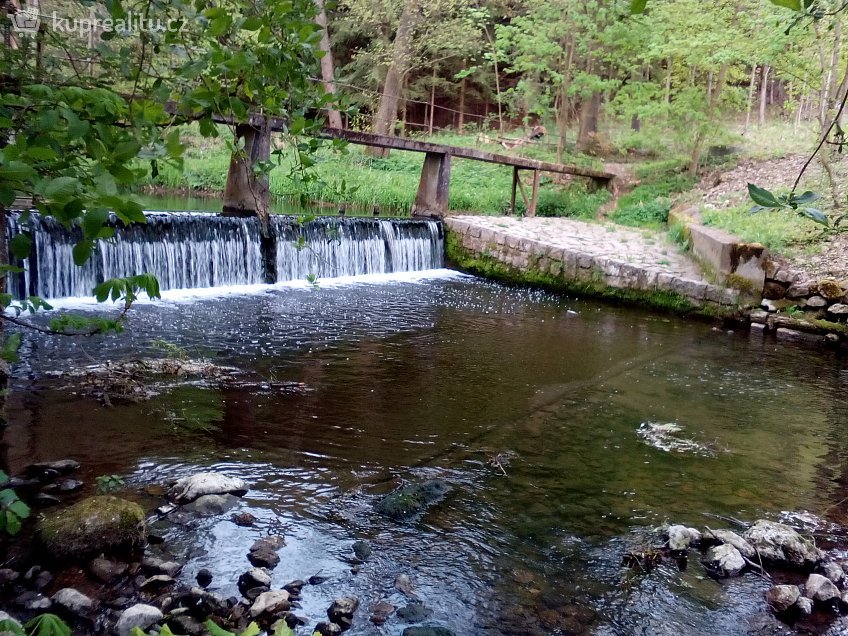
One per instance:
(177, 296)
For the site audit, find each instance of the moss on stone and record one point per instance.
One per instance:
(411, 499)
(102, 524)
(490, 267)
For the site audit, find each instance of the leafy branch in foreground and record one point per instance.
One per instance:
(799, 203)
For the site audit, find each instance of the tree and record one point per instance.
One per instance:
(74, 141)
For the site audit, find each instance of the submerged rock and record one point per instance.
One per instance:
(781, 597)
(427, 631)
(263, 552)
(362, 550)
(141, 616)
(414, 612)
(190, 488)
(412, 499)
(105, 570)
(212, 505)
(780, 544)
(724, 560)
(96, 525)
(681, 537)
(820, 588)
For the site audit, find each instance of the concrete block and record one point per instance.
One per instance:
(728, 256)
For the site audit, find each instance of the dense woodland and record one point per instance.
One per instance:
(679, 69)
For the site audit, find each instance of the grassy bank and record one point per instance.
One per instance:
(356, 178)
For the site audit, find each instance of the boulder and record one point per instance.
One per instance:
(731, 538)
(263, 553)
(820, 588)
(152, 565)
(840, 310)
(781, 597)
(816, 302)
(252, 579)
(724, 560)
(381, 612)
(830, 289)
(804, 605)
(273, 602)
(780, 544)
(190, 488)
(204, 577)
(96, 525)
(342, 610)
(72, 601)
(51, 470)
(409, 500)
(105, 570)
(328, 629)
(834, 572)
(141, 616)
(681, 537)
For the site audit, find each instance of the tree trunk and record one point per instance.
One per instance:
(334, 117)
(461, 123)
(750, 99)
(245, 194)
(384, 122)
(764, 93)
(589, 111)
(668, 73)
(697, 148)
(564, 106)
(432, 102)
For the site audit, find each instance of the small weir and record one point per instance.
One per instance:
(191, 250)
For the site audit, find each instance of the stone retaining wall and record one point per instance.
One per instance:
(482, 247)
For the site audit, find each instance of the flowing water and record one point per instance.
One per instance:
(432, 375)
(191, 250)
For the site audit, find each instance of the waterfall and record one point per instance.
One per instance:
(333, 247)
(190, 250)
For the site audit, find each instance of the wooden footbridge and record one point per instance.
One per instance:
(434, 185)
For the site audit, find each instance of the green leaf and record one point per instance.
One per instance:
(60, 189)
(21, 245)
(806, 198)
(638, 6)
(11, 626)
(795, 5)
(17, 171)
(214, 630)
(11, 344)
(251, 630)
(48, 625)
(282, 629)
(252, 24)
(816, 215)
(763, 197)
(82, 252)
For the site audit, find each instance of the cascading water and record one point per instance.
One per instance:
(190, 250)
(349, 247)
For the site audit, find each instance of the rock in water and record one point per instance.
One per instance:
(820, 588)
(97, 525)
(141, 616)
(427, 631)
(362, 550)
(724, 560)
(342, 610)
(211, 505)
(730, 537)
(412, 499)
(781, 597)
(72, 601)
(681, 537)
(253, 579)
(804, 605)
(190, 488)
(780, 544)
(272, 602)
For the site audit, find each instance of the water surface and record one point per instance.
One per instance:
(433, 378)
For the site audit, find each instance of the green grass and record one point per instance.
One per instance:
(356, 178)
(776, 229)
(648, 204)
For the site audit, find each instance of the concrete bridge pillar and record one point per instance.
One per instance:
(434, 187)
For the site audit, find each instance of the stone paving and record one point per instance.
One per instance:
(581, 251)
